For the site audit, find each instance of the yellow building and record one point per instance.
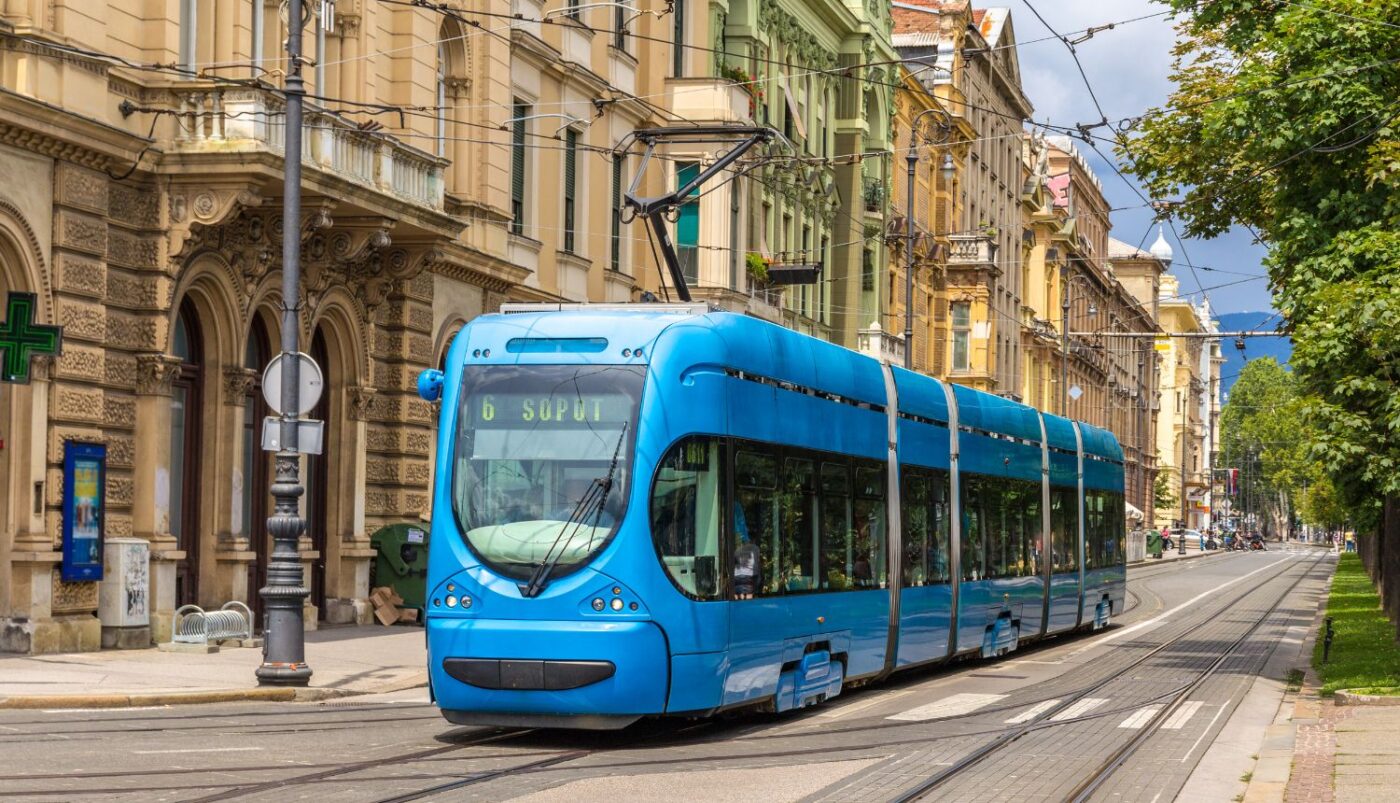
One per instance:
(449, 167)
(1184, 365)
(1096, 374)
(968, 60)
(941, 145)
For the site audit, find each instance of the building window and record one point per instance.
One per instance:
(517, 168)
(620, 14)
(615, 218)
(961, 313)
(678, 39)
(867, 270)
(570, 187)
(185, 442)
(688, 224)
(571, 9)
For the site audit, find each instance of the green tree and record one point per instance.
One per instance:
(1264, 432)
(1164, 492)
(1284, 120)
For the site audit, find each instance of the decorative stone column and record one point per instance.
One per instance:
(150, 512)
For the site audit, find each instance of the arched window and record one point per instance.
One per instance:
(185, 400)
(318, 477)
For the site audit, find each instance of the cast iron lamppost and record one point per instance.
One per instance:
(284, 634)
(944, 129)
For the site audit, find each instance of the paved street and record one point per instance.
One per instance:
(1128, 714)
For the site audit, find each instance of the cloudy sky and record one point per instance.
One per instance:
(1128, 68)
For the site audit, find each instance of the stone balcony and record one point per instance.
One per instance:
(708, 100)
(884, 346)
(216, 120)
(974, 252)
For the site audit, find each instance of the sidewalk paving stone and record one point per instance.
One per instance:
(354, 660)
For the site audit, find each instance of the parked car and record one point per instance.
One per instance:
(1192, 538)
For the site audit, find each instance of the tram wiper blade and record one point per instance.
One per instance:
(591, 503)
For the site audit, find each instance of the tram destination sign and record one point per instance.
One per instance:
(21, 339)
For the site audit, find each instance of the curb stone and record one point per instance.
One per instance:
(1349, 697)
(96, 701)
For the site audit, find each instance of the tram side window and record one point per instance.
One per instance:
(974, 525)
(1064, 528)
(916, 518)
(797, 554)
(1027, 506)
(868, 538)
(686, 517)
(940, 561)
(756, 523)
(998, 532)
(1115, 538)
(836, 549)
(1094, 527)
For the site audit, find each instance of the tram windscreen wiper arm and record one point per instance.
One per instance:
(597, 494)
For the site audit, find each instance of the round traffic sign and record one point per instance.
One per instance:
(309, 380)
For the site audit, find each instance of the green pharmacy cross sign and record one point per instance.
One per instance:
(22, 339)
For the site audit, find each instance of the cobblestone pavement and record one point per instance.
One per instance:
(875, 743)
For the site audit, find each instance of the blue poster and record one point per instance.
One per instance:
(84, 502)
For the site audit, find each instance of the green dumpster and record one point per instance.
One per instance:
(1154, 544)
(402, 562)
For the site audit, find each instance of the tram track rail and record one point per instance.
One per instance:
(1046, 720)
(548, 759)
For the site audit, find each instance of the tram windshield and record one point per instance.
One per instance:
(541, 466)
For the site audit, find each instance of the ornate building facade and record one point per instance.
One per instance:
(821, 74)
(143, 207)
(941, 144)
(968, 58)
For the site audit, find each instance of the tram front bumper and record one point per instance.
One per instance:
(533, 673)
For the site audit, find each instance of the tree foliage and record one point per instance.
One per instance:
(1264, 432)
(1286, 119)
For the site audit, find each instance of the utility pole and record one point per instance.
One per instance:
(284, 633)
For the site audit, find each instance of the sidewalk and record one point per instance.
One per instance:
(1317, 751)
(345, 661)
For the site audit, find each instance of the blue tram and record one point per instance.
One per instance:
(669, 510)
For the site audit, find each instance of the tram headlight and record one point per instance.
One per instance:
(617, 604)
(466, 601)
(598, 603)
(451, 602)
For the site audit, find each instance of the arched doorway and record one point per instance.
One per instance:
(256, 499)
(318, 479)
(185, 401)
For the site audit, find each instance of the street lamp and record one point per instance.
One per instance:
(284, 632)
(943, 127)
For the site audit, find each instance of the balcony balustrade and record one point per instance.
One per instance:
(218, 120)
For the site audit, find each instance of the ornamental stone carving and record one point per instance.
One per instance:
(80, 187)
(237, 381)
(194, 208)
(73, 597)
(361, 402)
(155, 374)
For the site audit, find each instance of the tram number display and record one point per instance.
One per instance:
(511, 410)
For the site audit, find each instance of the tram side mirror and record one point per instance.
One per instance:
(430, 385)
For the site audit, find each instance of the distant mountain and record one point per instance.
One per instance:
(1280, 348)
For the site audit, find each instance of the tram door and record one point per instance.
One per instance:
(773, 510)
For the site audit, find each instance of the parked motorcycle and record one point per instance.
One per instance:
(1211, 544)
(1256, 543)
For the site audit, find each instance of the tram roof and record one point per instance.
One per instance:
(753, 345)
